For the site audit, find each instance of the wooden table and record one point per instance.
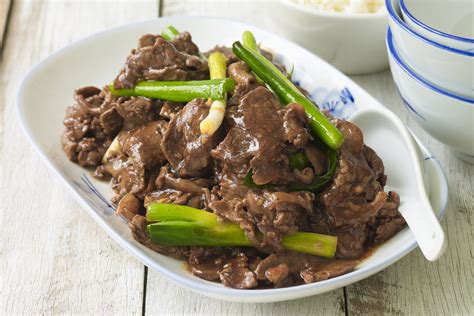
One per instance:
(55, 259)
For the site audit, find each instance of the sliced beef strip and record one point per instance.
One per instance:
(236, 273)
(185, 147)
(142, 144)
(274, 214)
(375, 164)
(111, 121)
(90, 124)
(136, 111)
(294, 123)
(160, 60)
(169, 109)
(354, 206)
(169, 189)
(172, 196)
(207, 265)
(244, 79)
(388, 221)
(127, 177)
(350, 241)
(231, 266)
(328, 270)
(292, 268)
(184, 43)
(354, 196)
(258, 140)
(232, 156)
(129, 206)
(133, 168)
(279, 213)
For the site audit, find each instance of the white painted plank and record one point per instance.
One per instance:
(252, 11)
(53, 257)
(415, 286)
(4, 8)
(166, 298)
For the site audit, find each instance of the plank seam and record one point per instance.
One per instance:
(145, 279)
(3, 38)
(346, 301)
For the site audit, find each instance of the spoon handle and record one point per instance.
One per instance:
(426, 228)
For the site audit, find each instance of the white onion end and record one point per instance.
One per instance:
(214, 119)
(113, 148)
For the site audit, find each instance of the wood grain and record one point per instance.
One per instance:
(165, 298)
(53, 257)
(243, 10)
(4, 11)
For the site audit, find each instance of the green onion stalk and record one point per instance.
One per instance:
(178, 91)
(169, 33)
(319, 124)
(178, 225)
(217, 70)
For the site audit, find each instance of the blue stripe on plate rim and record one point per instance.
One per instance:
(393, 52)
(398, 20)
(404, 8)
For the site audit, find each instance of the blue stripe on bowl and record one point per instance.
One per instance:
(398, 20)
(393, 52)
(410, 107)
(404, 8)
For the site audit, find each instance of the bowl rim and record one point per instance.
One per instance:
(403, 25)
(354, 16)
(393, 52)
(405, 10)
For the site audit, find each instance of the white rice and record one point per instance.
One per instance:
(344, 6)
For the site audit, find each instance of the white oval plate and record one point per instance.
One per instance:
(47, 91)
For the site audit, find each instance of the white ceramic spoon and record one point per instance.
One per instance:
(388, 136)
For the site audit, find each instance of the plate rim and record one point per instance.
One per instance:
(259, 295)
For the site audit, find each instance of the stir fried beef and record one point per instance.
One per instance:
(259, 140)
(133, 167)
(136, 111)
(169, 109)
(187, 150)
(160, 60)
(241, 173)
(244, 79)
(184, 43)
(355, 200)
(171, 189)
(88, 127)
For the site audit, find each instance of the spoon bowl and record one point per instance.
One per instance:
(402, 161)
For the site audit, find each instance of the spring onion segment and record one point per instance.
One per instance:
(250, 43)
(298, 161)
(169, 33)
(178, 225)
(178, 91)
(218, 69)
(319, 124)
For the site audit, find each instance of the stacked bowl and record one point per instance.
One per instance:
(431, 53)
